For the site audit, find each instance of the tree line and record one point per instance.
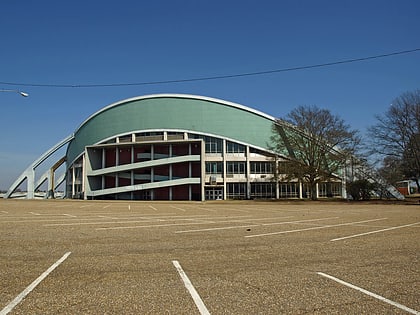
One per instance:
(320, 145)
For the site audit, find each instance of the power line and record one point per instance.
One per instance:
(247, 74)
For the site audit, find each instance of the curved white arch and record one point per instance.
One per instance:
(29, 173)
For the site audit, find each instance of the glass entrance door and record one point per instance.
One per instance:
(214, 193)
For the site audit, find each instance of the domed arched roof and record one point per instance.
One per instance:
(173, 112)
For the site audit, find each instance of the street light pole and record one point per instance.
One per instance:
(24, 94)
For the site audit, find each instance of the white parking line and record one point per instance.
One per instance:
(178, 208)
(206, 209)
(147, 226)
(240, 210)
(128, 220)
(108, 217)
(194, 294)
(80, 219)
(33, 285)
(299, 221)
(250, 221)
(372, 232)
(313, 228)
(204, 221)
(376, 296)
(99, 222)
(218, 228)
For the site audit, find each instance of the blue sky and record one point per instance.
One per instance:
(106, 42)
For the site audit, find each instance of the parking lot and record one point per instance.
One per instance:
(237, 257)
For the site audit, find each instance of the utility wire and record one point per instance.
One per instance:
(328, 64)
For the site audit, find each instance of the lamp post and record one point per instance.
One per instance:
(24, 94)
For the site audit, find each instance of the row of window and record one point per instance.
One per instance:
(213, 145)
(286, 190)
(233, 167)
(262, 190)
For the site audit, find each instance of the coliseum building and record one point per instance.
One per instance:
(171, 147)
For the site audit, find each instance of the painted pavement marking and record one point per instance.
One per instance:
(108, 217)
(219, 228)
(372, 232)
(313, 228)
(177, 208)
(250, 221)
(193, 292)
(33, 285)
(162, 225)
(300, 221)
(147, 226)
(376, 296)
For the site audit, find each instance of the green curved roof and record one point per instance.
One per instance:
(174, 112)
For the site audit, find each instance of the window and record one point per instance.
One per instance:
(289, 190)
(261, 167)
(173, 135)
(149, 136)
(284, 167)
(253, 152)
(235, 168)
(126, 138)
(330, 189)
(263, 190)
(214, 167)
(213, 145)
(233, 147)
(236, 190)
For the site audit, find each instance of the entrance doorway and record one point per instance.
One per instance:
(214, 193)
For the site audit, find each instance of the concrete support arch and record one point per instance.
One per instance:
(29, 173)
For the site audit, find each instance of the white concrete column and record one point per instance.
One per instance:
(224, 169)
(300, 190)
(73, 188)
(343, 183)
(317, 190)
(30, 178)
(276, 176)
(203, 169)
(84, 175)
(248, 172)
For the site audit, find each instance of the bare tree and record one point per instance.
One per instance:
(396, 134)
(391, 170)
(317, 142)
